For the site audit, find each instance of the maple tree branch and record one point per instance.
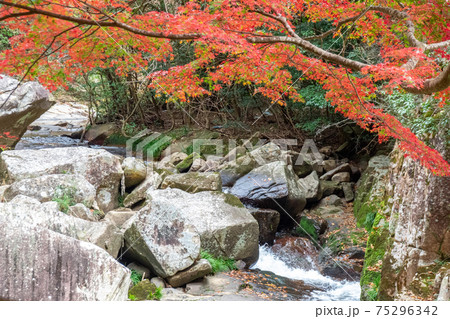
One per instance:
(117, 24)
(430, 86)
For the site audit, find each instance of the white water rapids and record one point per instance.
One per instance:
(334, 290)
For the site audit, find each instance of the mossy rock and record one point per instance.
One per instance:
(142, 291)
(377, 244)
(184, 166)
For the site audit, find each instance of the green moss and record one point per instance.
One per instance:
(184, 166)
(377, 244)
(116, 139)
(307, 228)
(144, 290)
(232, 200)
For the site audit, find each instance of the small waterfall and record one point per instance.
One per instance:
(332, 289)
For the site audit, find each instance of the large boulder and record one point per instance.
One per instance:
(47, 215)
(47, 187)
(225, 227)
(311, 186)
(162, 240)
(39, 264)
(100, 168)
(19, 107)
(231, 171)
(194, 182)
(274, 186)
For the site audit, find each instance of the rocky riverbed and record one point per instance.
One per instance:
(78, 221)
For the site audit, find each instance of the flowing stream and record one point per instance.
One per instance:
(327, 288)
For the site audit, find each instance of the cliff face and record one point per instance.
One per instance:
(417, 258)
(408, 249)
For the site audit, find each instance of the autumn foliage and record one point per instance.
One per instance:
(246, 41)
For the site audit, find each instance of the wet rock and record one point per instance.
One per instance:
(194, 182)
(340, 169)
(296, 252)
(47, 187)
(198, 270)
(340, 270)
(81, 211)
(144, 290)
(141, 270)
(268, 221)
(19, 107)
(47, 215)
(271, 186)
(135, 171)
(63, 268)
(97, 134)
(100, 168)
(225, 226)
(160, 239)
(151, 182)
(320, 224)
(311, 187)
(341, 177)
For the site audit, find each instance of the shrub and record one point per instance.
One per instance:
(135, 277)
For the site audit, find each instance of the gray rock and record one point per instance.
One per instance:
(19, 107)
(141, 270)
(268, 221)
(39, 264)
(97, 134)
(311, 187)
(331, 200)
(194, 182)
(45, 188)
(329, 165)
(330, 188)
(266, 154)
(274, 186)
(100, 168)
(48, 216)
(348, 192)
(81, 211)
(197, 165)
(119, 217)
(235, 153)
(135, 171)
(230, 172)
(225, 226)
(162, 240)
(340, 169)
(158, 282)
(151, 182)
(341, 177)
(198, 270)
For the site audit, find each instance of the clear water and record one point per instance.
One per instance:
(332, 289)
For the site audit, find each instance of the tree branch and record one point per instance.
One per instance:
(116, 24)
